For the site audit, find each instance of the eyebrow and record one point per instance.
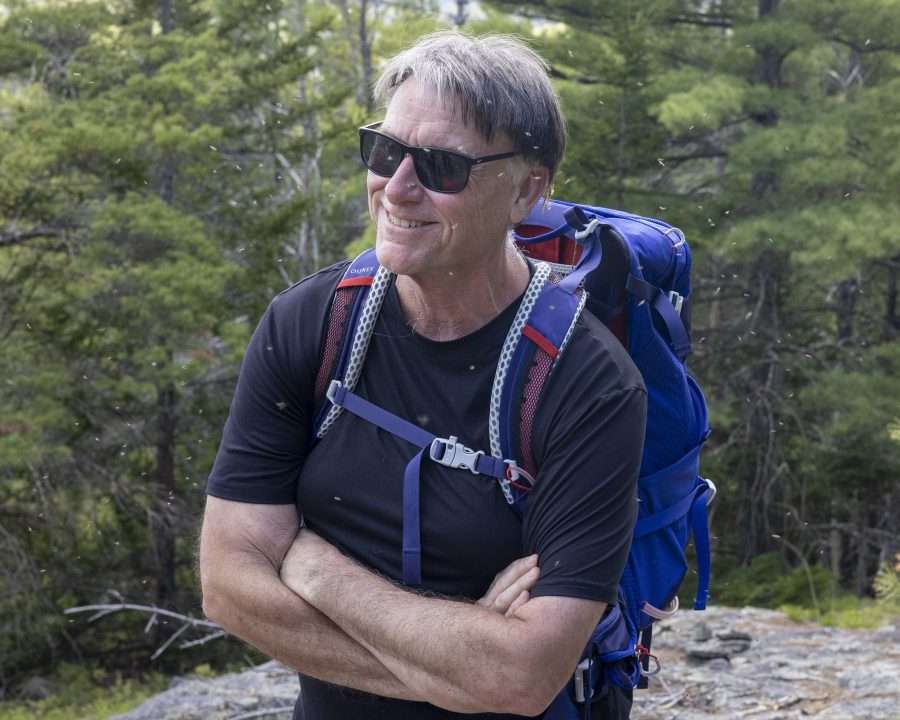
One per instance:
(457, 151)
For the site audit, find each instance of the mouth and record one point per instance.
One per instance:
(405, 224)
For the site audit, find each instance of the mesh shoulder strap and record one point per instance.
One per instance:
(536, 339)
(357, 301)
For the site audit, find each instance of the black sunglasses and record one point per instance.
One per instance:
(442, 171)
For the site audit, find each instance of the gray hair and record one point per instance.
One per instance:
(499, 83)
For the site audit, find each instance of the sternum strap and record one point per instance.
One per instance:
(430, 447)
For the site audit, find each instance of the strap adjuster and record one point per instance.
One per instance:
(587, 230)
(677, 300)
(453, 454)
(332, 393)
(582, 681)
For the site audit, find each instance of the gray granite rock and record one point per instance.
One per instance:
(267, 691)
(784, 671)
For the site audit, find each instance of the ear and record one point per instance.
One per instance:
(529, 186)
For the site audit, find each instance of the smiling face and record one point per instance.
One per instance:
(420, 232)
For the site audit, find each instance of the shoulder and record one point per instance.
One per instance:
(312, 291)
(596, 360)
(287, 339)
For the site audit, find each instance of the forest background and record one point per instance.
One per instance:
(167, 166)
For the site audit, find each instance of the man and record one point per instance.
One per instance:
(470, 141)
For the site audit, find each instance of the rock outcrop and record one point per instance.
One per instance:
(722, 664)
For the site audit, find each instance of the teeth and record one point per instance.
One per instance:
(402, 223)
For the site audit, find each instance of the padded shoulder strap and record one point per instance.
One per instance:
(539, 334)
(357, 301)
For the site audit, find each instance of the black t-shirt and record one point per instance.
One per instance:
(588, 436)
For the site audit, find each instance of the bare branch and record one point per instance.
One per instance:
(202, 641)
(187, 623)
(108, 608)
(172, 638)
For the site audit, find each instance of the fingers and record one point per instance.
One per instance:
(518, 602)
(505, 599)
(507, 577)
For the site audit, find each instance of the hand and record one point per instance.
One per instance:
(509, 591)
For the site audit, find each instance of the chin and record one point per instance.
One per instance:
(401, 258)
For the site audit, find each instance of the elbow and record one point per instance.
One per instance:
(528, 690)
(213, 607)
(534, 699)
(215, 602)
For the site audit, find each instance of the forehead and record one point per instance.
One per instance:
(417, 115)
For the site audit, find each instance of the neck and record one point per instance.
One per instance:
(450, 304)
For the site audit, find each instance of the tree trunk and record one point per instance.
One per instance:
(164, 515)
(760, 485)
(462, 13)
(766, 383)
(846, 294)
(365, 54)
(891, 318)
(167, 15)
(861, 575)
(835, 552)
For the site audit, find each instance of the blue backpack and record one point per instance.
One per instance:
(633, 273)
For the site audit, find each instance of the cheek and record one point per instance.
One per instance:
(374, 189)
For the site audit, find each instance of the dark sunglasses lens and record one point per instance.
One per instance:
(441, 171)
(379, 153)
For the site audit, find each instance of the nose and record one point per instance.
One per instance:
(404, 185)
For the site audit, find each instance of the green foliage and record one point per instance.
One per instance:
(845, 611)
(153, 173)
(85, 692)
(887, 585)
(767, 582)
(710, 103)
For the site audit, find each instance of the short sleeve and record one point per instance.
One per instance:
(581, 513)
(267, 433)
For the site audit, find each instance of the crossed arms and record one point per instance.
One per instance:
(299, 600)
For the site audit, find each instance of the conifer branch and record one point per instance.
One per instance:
(9, 239)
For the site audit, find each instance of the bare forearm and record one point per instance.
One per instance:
(446, 651)
(459, 656)
(260, 610)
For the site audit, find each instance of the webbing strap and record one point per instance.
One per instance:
(412, 532)
(393, 424)
(700, 528)
(660, 302)
(590, 260)
(664, 518)
(693, 505)
(482, 464)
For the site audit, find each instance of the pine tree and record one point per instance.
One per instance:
(146, 196)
